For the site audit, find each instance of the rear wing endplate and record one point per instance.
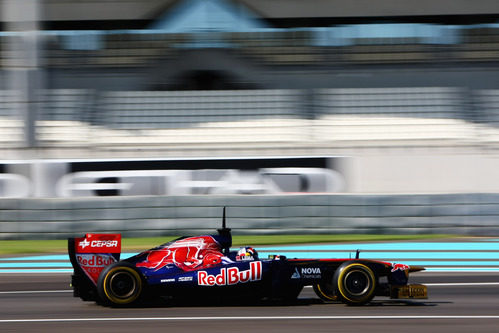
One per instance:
(89, 255)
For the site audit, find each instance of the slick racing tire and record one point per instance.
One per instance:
(120, 284)
(355, 283)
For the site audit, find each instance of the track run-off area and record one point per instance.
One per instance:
(462, 279)
(473, 254)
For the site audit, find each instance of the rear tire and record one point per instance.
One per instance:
(120, 284)
(355, 283)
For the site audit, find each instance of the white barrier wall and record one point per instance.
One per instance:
(136, 177)
(463, 214)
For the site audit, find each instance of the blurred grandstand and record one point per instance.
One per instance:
(254, 78)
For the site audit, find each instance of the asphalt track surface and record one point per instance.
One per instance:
(458, 302)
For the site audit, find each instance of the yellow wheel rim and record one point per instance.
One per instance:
(367, 291)
(122, 285)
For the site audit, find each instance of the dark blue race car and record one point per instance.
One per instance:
(204, 267)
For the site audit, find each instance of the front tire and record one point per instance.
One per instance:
(120, 284)
(355, 283)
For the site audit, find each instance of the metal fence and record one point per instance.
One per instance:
(462, 214)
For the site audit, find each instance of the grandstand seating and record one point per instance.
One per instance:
(392, 116)
(164, 109)
(257, 118)
(487, 102)
(11, 125)
(260, 118)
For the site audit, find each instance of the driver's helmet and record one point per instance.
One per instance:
(246, 253)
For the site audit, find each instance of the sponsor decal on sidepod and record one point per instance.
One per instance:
(231, 275)
(307, 273)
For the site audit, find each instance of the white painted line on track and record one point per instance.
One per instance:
(35, 291)
(55, 320)
(457, 284)
(36, 271)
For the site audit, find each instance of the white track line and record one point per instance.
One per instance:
(462, 284)
(457, 284)
(55, 320)
(35, 291)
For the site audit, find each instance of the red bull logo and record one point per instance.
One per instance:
(94, 260)
(232, 275)
(93, 264)
(399, 267)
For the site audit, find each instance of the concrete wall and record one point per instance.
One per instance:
(465, 214)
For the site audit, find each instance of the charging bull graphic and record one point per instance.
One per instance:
(401, 267)
(188, 254)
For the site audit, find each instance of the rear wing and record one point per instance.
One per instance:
(89, 255)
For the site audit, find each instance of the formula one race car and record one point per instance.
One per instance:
(192, 268)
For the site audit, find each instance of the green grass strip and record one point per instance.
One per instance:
(137, 244)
